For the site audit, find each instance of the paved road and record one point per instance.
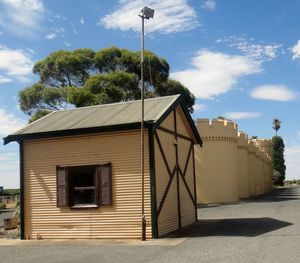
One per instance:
(265, 229)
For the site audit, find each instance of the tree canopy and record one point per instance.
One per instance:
(278, 160)
(84, 77)
(276, 125)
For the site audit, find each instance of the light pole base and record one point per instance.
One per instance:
(143, 228)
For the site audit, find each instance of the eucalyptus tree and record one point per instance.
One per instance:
(84, 77)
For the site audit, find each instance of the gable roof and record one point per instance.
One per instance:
(123, 115)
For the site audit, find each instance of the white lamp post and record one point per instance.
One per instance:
(146, 13)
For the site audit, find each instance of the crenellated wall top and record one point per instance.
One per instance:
(265, 145)
(217, 128)
(267, 142)
(242, 139)
(251, 147)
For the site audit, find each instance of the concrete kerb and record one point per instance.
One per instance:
(93, 242)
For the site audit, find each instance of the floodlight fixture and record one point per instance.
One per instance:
(147, 13)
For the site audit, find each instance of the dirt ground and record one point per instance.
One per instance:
(9, 234)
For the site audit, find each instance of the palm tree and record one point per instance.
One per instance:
(276, 125)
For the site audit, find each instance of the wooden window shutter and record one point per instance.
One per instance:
(105, 185)
(62, 187)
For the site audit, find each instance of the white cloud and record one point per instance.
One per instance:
(67, 44)
(16, 64)
(21, 17)
(9, 123)
(4, 79)
(35, 5)
(57, 32)
(81, 21)
(292, 157)
(199, 107)
(209, 5)
(1, 33)
(215, 73)
(31, 50)
(58, 16)
(51, 36)
(296, 50)
(170, 16)
(273, 92)
(75, 31)
(258, 51)
(242, 115)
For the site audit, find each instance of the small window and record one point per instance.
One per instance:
(84, 186)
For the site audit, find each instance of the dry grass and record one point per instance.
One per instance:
(9, 234)
(14, 205)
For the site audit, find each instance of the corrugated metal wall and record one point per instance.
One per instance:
(168, 218)
(121, 220)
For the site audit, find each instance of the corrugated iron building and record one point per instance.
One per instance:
(80, 171)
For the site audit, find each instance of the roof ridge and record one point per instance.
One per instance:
(117, 103)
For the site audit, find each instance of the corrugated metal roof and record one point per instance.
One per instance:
(100, 115)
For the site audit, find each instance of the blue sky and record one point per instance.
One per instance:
(241, 59)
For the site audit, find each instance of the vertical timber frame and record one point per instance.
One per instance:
(151, 131)
(195, 188)
(177, 171)
(177, 167)
(22, 191)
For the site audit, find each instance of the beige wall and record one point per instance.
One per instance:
(264, 152)
(251, 168)
(243, 171)
(217, 176)
(168, 219)
(229, 166)
(120, 220)
(266, 145)
(259, 172)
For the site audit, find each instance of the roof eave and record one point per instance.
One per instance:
(73, 132)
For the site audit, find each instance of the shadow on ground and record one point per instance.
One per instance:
(278, 195)
(247, 227)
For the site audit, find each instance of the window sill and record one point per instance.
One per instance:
(84, 206)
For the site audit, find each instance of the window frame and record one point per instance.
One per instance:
(65, 188)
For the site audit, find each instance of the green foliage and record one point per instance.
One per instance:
(173, 87)
(80, 97)
(83, 77)
(278, 160)
(221, 118)
(294, 181)
(2, 206)
(276, 125)
(66, 68)
(41, 97)
(254, 137)
(10, 192)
